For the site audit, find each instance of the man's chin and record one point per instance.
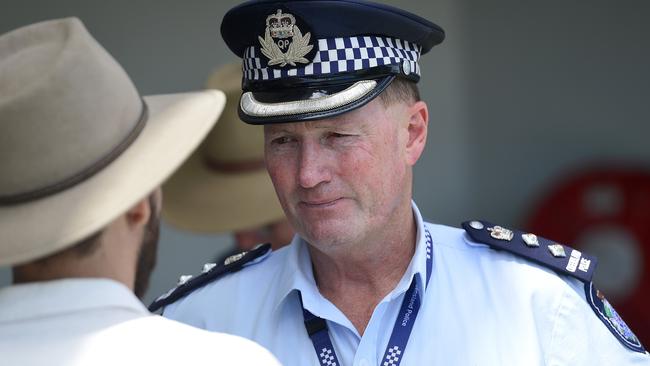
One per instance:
(329, 232)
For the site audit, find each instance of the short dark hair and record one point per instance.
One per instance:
(80, 249)
(86, 246)
(400, 90)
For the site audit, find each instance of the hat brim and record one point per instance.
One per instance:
(330, 102)
(200, 199)
(177, 123)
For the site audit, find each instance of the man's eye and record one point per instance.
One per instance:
(281, 140)
(338, 135)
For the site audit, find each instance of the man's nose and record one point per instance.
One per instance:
(313, 168)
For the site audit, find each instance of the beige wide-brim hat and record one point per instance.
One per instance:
(66, 105)
(224, 186)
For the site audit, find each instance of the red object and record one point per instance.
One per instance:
(573, 207)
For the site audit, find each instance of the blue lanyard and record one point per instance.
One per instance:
(317, 327)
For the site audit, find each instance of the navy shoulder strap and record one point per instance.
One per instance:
(559, 257)
(211, 272)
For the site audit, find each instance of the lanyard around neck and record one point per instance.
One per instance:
(319, 335)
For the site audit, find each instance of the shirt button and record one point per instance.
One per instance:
(364, 362)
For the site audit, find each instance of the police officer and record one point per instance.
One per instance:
(81, 155)
(367, 281)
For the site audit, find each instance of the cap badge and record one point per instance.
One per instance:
(283, 42)
(501, 233)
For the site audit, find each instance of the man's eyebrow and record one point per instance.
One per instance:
(341, 121)
(338, 122)
(273, 130)
(326, 126)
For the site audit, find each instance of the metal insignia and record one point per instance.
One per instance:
(406, 67)
(530, 240)
(584, 265)
(574, 259)
(283, 42)
(234, 258)
(501, 233)
(476, 225)
(557, 250)
(184, 278)
(208, 266)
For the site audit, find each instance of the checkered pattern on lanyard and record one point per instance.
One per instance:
(337, 55)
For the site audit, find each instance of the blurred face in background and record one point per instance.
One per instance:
(278, 233)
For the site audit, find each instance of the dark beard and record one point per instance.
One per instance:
(148, 252)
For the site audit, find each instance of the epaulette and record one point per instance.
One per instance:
(559, 257)
(211, 272)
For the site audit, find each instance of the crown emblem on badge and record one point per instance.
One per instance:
(501, 233)
(283, 43)
(280, 25)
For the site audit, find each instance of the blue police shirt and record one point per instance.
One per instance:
(481, 307)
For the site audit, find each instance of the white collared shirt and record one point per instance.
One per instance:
(100, 322)
(481, 307)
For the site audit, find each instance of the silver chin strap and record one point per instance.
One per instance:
(252, 107)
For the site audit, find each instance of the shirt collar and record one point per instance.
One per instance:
(42, 299)
(417, 268)
(297, 274)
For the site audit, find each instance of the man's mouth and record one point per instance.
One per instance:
(320, 203)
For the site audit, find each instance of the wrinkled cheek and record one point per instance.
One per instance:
(275, 167)
(282, 180)
(381, 185)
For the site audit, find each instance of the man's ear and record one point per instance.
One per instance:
(418, 120)
(139, 214)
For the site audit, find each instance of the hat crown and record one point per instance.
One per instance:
(316, 59)
(65, 105)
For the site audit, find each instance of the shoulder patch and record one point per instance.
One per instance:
(606, 313)
(211, 272)
(547, 253)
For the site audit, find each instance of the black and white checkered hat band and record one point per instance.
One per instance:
(338, 55)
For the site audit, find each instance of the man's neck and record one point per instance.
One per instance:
(67, 264)
(358, 279)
